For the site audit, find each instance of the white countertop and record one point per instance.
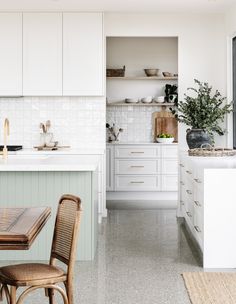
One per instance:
(65, 151)
(140, 143)
(211, 162)
(50, 163)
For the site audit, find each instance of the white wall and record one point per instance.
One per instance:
(76, 121)
(202, 46)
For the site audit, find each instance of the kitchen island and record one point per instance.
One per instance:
(208, 204)
(39, 180)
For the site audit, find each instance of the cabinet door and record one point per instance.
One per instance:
(11, 54)
(109, 169)
(83, 45)
(42, 54)
(169, 183)
(169, 166)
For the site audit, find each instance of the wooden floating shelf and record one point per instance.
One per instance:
(152, 104)
(143, 78)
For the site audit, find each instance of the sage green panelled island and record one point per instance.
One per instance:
(40, 181)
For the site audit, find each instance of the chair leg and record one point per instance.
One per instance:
(49, 292)
(69, 291)
(13, 295)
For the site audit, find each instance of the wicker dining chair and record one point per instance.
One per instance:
(38, 275)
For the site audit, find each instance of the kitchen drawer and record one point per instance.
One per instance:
(169, 151)
(198, 196)
(137, 183)
(169, 183)
(189, 211)
(124, 166)
(198, 227)
(169, 166)
(137, 152)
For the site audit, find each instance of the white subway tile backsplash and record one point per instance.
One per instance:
(135, 120)
(76, 121)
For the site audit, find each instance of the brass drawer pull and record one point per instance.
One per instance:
(197, 180)
(189, 214)
(132, 182)
(181, 165)
(137, 152)
(189, 172)
(197, 203)
(197, 229)
(189, 192)
(136, 166)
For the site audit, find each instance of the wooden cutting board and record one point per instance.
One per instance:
(164, 122)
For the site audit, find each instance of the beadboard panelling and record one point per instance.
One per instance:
(76, 121)
(44, 189)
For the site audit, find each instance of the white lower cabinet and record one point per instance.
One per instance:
(148, 168)
(137, 183)
(207, 202)
(169, 182)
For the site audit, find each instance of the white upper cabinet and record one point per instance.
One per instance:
(42, 54)
(83, 63)
(10, 54)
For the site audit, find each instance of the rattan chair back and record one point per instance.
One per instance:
(66, 229)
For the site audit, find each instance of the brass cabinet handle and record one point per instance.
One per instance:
(197, 229)
(197, 180)
(189, 192)
(189, 214)
(197, 203)
(189, 172)
(133, 182)
(137, 152)
(136, 166)
(181, 165)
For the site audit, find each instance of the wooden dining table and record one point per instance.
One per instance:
(20, 226)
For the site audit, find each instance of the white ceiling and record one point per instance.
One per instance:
(159, 6)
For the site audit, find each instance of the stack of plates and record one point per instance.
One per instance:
(131, 100)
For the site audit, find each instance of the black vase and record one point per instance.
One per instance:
(197, 137)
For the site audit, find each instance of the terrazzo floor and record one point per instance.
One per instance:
(141, 256)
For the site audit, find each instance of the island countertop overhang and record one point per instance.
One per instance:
(50, 163)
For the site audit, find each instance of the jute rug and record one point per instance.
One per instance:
(211, 287)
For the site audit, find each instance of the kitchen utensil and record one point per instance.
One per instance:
(164, 122)
(151, 72)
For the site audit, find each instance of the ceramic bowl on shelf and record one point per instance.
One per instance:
(131, 100)
(165, 140)
(147, 99)
(159, 99)
(151, 72)
(167, 74)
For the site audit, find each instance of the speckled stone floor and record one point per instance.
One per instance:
(141, 256)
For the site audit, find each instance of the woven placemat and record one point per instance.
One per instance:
(211, 287)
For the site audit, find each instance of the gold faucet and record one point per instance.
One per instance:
(6, 133)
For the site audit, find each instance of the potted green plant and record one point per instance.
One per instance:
(203, 113)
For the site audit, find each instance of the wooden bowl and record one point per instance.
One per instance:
(151, 72)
